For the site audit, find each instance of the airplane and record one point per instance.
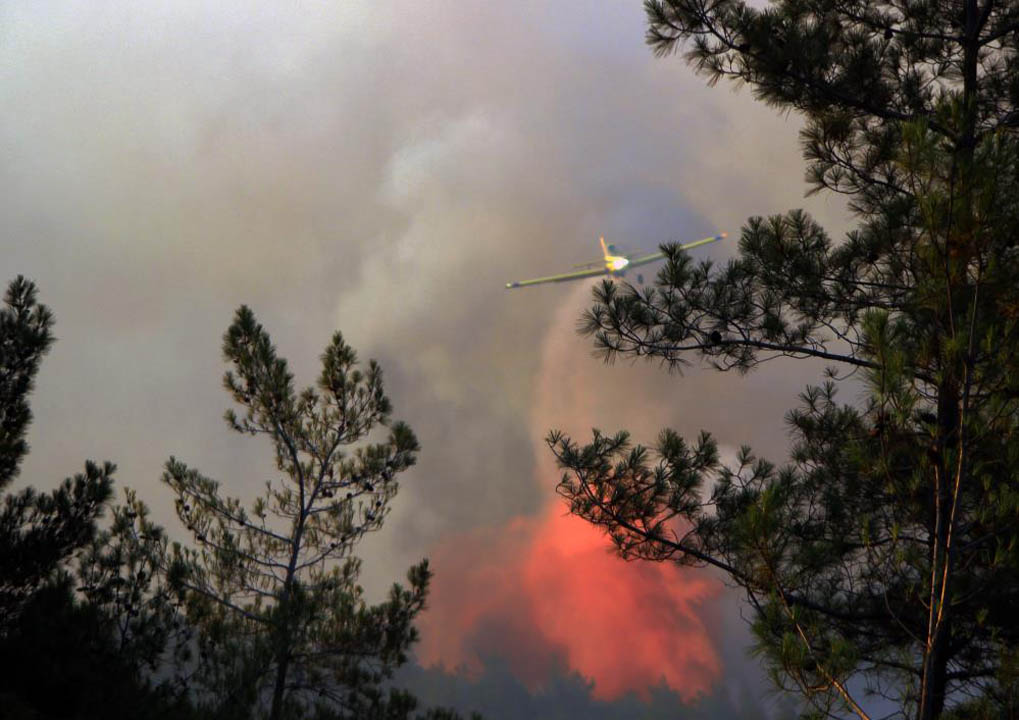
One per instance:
(612, 264)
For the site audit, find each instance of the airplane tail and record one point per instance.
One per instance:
(604, 249)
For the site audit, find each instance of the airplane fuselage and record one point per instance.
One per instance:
(616, 263)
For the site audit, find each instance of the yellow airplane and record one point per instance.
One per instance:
(612, 264)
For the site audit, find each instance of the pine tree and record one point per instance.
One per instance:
(25, 336)
(38, 531)
(94, 652)
(284, 628)
(121, 579)
(884, 555)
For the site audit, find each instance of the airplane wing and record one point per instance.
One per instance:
(559, 278)
(645, 259)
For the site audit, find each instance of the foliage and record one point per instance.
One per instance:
(882, 558)
(285, 629)
(62, 660)
(38, 531)
(121, 641)
(121, 577)
(25, 336)
(61, 656)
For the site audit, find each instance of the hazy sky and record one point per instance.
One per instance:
(383, 168)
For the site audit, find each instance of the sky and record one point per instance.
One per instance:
(384, 168)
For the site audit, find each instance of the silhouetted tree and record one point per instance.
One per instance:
(120, 575)
(38, 531)
(63, 659)
(285, 630)
(60, 656)
(884, 556)
(25, 336)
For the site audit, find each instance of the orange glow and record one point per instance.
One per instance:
(546, 592)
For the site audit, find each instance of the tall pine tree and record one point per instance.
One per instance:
(884, 555)
(39, 532)
(284, 629)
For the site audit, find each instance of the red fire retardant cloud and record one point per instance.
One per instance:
(546, 593)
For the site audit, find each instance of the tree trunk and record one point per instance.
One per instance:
(282, 664)
(938, 653)
(932, 701)
(277, 691)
